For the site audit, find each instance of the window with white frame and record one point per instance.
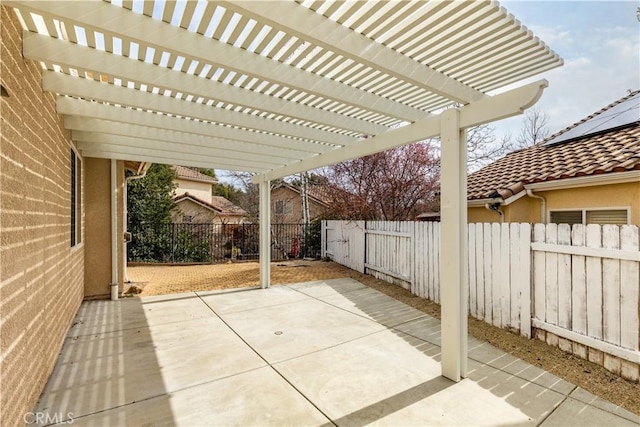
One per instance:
(590, 216)
(76, 198)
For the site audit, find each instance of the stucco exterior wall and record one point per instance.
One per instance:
(295, 217)
(480, 214)
(98, 227)
(626, 195)
(201, 190)
(526, 209)
(41, 275)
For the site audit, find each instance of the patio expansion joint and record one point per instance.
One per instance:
(564, 399)
(269, 364)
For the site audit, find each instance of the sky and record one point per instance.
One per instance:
(600, 44)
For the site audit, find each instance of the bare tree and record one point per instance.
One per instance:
(485, 147)
(535, 128)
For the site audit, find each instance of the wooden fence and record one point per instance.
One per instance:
(580, 284)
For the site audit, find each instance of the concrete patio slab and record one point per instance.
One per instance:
(238, 300)
(104, 316)
(256, 398)
(589, 416)
(289, 330)
(292, 356)
(121, 367)
(327, 288)
(374, 305)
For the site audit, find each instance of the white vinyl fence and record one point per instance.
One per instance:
(579, 283)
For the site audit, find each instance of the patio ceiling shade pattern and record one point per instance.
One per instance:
(259, 85)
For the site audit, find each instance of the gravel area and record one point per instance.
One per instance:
(159, 280)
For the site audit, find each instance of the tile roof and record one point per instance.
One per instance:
(218, 203)
(611, 151)
(192, 175)
(319, 192)
(227, 207)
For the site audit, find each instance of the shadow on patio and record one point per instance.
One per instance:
(316, 353)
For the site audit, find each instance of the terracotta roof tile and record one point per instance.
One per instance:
(192, 175)
(218, 203)
(617, 150)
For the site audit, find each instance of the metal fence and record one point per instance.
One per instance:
(209, 243)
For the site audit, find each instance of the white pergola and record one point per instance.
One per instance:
(280, 87)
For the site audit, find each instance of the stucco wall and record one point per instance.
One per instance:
(201, 190)
(41, 275)
(625, 195)
(295, 217)
(98, 227)
(526, 209)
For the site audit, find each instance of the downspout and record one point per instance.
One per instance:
(543, 205)
(114, 231)
(142, 172)
(495, 207)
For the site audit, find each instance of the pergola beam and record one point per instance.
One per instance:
(101, 153)
(488, 109)
(163, 149)
(89, 89)
(86, 109)
(55, 51)
(183, 141)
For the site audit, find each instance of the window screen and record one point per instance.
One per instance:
(566, 217)
(610, 216)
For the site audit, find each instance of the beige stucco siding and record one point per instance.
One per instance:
(480, 214)
(41, 275)
(295, 216)
(626, 195)
(200, 190)
(526, 209)
(98, 226)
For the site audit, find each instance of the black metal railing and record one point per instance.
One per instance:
(210, 243)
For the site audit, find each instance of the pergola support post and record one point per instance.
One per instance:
(453, 249)
(265, 232)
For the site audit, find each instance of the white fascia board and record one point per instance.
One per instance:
(586, 181)
(186, 140)
(310, 26)
(132, 27)
(51, 50)
(131, 144)
(486, 110)
(90, 89)
(86, 109)
(514, 198)
(482, 202)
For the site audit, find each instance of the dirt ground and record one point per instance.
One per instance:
(159, 280)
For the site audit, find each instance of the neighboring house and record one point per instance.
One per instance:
(286, 203)
(196, 204)
(218, 211)
(588, 173)
(191, 181)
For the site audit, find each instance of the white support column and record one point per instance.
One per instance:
(453, 258)
(265, 232)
